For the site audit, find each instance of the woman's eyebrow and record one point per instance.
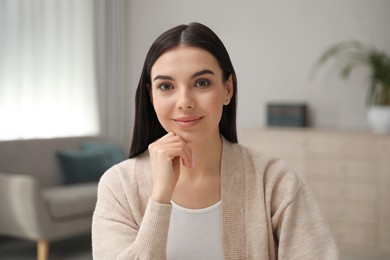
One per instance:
(202, 72)
(196, 74)
(162, 77)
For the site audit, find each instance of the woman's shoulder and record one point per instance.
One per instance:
(274, 176)
(128, 171)
(260, 160)
(274, 172)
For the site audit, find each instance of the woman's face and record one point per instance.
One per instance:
(188, 93)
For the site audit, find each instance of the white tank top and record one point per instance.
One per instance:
(195, 233)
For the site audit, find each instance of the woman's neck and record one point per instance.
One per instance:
(206, 157)
(200, 187)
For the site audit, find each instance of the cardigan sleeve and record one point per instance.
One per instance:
(115, 232)
(302, 232)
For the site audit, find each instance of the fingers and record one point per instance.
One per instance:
(172, 146)
(166, 154)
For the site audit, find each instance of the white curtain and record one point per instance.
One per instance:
(115, 104)
(47, 69)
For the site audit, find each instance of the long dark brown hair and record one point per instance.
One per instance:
(147, 128)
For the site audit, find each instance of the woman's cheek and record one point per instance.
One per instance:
(162, 112)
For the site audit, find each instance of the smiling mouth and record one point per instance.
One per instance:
(186, 119)
(187, 122)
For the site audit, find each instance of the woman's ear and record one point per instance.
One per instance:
(229, 90)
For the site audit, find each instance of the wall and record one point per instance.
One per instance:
(273, 45)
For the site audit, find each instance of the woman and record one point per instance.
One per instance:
(189, 190)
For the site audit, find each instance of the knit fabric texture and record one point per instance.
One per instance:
(266, 212)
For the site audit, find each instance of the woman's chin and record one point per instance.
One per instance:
(189, 138)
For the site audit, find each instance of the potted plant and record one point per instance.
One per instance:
(352, 54)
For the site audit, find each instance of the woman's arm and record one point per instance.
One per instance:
(115, 231)
(302, 232)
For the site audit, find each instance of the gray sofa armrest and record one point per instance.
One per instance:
(23, 213)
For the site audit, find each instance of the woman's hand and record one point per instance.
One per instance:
(166, 154)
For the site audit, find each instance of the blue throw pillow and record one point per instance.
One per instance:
(114, 150)
(83, 166)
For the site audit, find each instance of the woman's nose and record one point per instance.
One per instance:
(185, 100)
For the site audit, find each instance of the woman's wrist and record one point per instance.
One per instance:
(161, 198)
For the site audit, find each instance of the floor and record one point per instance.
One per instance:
(350, 255)
(78, 248)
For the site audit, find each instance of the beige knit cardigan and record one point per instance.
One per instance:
(266, 212)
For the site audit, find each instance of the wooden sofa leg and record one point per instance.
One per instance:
(42, 249)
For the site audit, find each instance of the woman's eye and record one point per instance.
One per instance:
(202, 83)
(165, 86)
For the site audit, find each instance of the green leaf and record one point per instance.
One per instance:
(353, 54)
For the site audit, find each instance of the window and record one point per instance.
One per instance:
(47, 69)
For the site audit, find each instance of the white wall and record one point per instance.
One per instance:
(273, 45)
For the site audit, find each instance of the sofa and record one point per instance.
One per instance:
(41, 198)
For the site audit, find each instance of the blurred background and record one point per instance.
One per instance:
(71, 67)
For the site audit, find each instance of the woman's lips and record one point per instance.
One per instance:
(187, 121)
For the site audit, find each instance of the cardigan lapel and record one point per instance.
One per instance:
(233, 201)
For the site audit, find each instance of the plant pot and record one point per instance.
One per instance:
(379, 119)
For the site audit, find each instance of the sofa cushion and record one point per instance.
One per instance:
(70, 201)
(115, 152)
(83, 166)
(37, 157)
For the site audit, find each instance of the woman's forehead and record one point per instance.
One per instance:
(184, 59)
